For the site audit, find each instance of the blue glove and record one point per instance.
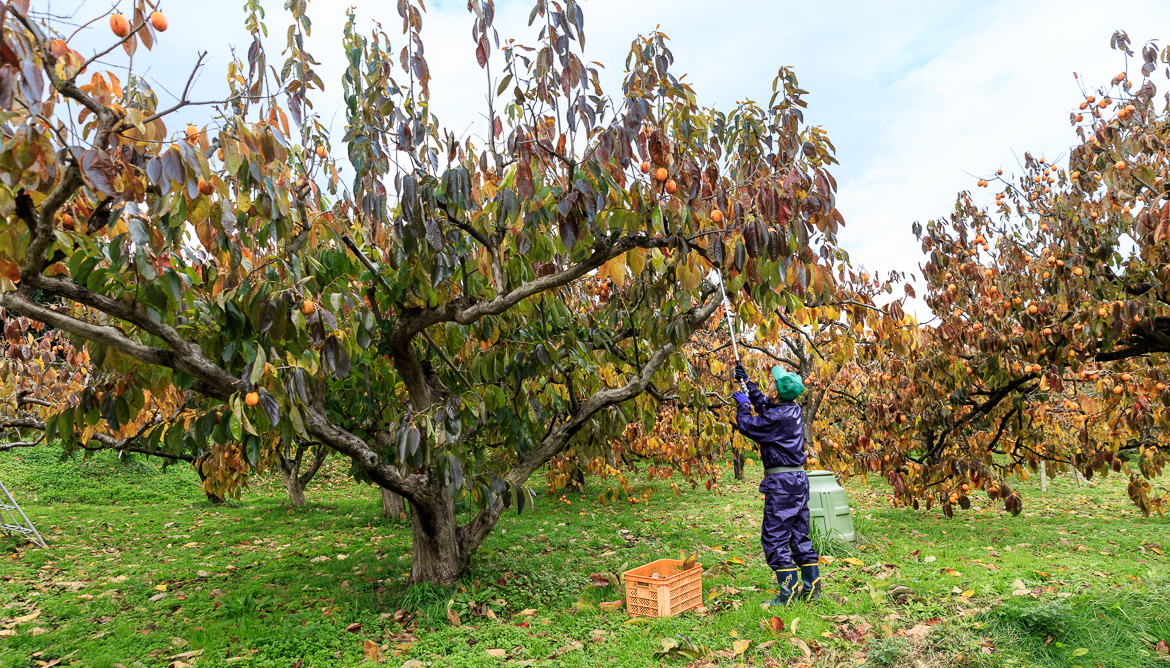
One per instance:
(740, 373)
(740, 397)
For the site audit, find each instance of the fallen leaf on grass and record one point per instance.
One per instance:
(28, 618)
(186, 655)
(776, 625)
(802, 646)
(571, 647)
(740, 646)
(498, 653)
(951, 572)
(612, 605)
(453, 617)
(918, 630)
(354, 628)
(853, 562)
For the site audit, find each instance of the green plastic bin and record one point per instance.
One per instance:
(829, 506)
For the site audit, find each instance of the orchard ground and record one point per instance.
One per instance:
(141, 571)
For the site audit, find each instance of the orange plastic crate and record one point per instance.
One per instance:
(674, 592)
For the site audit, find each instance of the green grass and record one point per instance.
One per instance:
(241, 584)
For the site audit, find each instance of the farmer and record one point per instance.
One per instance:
(779, 431)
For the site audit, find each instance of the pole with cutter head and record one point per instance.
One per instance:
(730, 328)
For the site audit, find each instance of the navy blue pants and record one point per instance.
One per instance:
(784, 535)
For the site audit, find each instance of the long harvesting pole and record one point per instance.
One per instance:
(730, 328)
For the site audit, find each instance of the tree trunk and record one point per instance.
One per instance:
(439, 553)
(393, 505)
(738, 458)
(294, 480)
(294, 487)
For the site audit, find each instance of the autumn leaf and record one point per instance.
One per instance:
(853, 562)
(612, 605)
(498, 653)
(371, 650)
(776, 625)
(740, 646)
(453, 617)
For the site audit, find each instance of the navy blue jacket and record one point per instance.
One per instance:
(777, 428)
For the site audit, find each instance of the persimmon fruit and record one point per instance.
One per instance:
(717, 216)
(660, 174)
(307, 307)
(671, 187)
(252, 399)
(645, 168)
(119, 25)
(158, 20)
(206, 188)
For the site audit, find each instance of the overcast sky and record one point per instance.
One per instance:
(920, 97)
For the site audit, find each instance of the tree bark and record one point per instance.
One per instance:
(295, 480)
(738, 458)
(393, 505)
(440, 552)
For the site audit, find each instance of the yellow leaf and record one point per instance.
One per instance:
(617, 270)
(733, 633)
(636, 260)
(1080, 651)
(853, 562)
(160, 587)
(740, 646)
(736, 560)
(951, 571)
(969, 593)
(371, 650)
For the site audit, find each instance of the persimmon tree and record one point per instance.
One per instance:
(430, 319)
(691, 439)
(1053, 320)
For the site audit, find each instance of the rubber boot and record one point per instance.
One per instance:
(786, 581)
(810, 581)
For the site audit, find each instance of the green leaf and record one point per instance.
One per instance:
(252, 446)
(258, 366)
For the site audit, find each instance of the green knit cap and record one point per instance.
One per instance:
(788, 385)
